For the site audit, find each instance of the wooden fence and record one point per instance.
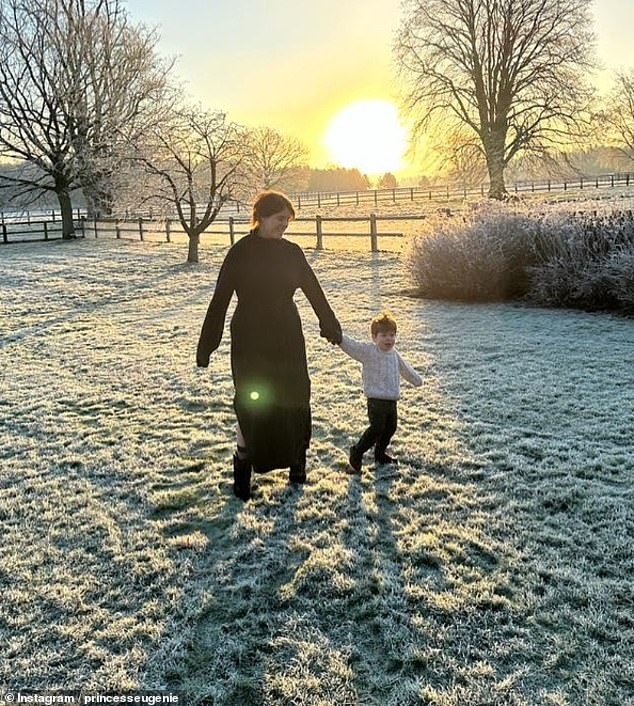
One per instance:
(449, 192)
(434, 194)
(231, 229)
(36, 231)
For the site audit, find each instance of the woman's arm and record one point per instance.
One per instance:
(330, 328)
(214, 323)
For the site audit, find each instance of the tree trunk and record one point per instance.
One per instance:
(495, 166)
(192, 252)
(68, 228)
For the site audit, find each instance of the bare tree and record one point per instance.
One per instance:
(273, 159)
(73, 75)
(194, 166)
(619, 114)
(511, 71)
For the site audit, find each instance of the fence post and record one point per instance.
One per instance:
(318, 199)
(141, 227)
(5, 237)
(117, 229)
(581, 182)
(320, 240)
(627, 179)
(374, 244)
(357, 195)
(53, 214)
(596, 183)
(167, 230)
(45, 224)
(299, 201)
(411, 193)
(338, 204)
(611, 179)
(95, 227)
(565, 186)
(232, 236)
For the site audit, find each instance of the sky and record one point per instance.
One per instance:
(294, 64)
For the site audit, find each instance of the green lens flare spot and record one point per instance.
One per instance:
(254, 395)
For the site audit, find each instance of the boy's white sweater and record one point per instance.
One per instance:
(382, 370)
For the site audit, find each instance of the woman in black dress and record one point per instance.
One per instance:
(268, 354)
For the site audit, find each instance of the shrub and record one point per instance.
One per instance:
(481, 256)
(555, 258)
(585, 262)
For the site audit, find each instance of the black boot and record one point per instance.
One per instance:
(297, 472)
(355, 459)
(241, 478)
(382, 458)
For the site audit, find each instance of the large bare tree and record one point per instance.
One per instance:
(74, 76)
(618, 115)
(194, 165)
(273, 160)
(512, 71)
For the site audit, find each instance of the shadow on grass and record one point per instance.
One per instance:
(245, 563)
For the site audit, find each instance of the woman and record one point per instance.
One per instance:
(268, 355)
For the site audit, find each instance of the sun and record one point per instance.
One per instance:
(368, 135)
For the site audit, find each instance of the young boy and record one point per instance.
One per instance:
(382, 368)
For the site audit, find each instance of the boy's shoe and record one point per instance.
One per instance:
(384, 459)
(297, 472)
(241, 477)
(355, 459)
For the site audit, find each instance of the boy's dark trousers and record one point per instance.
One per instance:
(383, 420)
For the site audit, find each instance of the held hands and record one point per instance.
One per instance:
(335, 339)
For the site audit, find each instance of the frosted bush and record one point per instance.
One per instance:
(620, 269)
(585, 262)
(482, 255)
(503, 251)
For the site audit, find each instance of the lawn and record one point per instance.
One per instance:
(495, 566)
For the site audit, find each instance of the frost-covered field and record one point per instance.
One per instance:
(495, 567)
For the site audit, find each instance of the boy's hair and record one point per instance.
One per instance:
(269, 202)
(383, 323)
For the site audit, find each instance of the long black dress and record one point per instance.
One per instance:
(268, 354)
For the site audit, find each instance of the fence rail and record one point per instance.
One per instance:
(448, 192)
(434, 194)
(231, 229)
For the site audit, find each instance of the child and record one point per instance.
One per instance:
(382, 368)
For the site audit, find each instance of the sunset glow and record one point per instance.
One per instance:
(367, 135)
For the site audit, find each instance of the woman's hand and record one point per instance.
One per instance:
(335, 339)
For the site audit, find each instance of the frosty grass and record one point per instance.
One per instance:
(494, 567)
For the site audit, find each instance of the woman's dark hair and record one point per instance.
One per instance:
(269, 202)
